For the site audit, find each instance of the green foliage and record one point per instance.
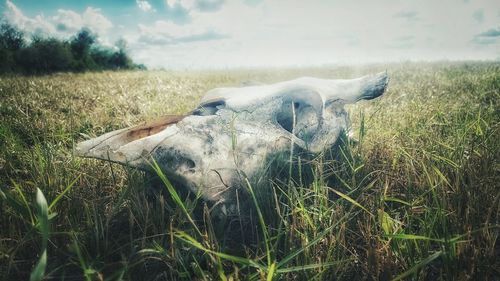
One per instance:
(48, 55)
(39, 270)
(11, 38)
(11, 41)
(81, 44)
(416, 197)
(45, 55)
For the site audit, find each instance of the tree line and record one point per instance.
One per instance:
(43, 55)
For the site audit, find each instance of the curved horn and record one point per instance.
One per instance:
(352, 90)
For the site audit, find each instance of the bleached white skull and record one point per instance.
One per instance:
(236, 132)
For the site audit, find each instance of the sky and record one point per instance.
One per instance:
(205, 34)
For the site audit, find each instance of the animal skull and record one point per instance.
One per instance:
(235, 132)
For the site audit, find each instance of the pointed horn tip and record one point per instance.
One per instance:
(80, 151)
(381, 81)
(383, 76)
(376, 85)
(84, 148)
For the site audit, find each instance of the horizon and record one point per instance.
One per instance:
(218, 34)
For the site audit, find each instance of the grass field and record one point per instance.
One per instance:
(417, 198)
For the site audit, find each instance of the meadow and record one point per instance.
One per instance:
(416, 197)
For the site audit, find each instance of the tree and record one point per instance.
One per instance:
(45, 56)
(11, 41)
(102, 57)
(122, 45)
(11, 38)
(7, 60)
(80, 47)
(120, 59)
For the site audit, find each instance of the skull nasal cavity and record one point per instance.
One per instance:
(179, 163)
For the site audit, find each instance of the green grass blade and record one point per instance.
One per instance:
(39, 271)
(43, 217)
(352, 201)
(392, 199)
(271, 272)
(81, 260)
(191, 241)
(220, 271)
(175, 196)
(20, 208)
(25, 202)
(43, 225)
(310, 266)
(413, 237)
(441, 175)
(385, 222)
(313, 242)
(54, 202)
(446, 160)
(262, 223)
(419, 265)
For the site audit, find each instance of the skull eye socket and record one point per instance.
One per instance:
(306, 119)
(286, 115)
(209, 108)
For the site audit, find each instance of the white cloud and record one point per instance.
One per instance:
(285, 32)
(95, 20)
(183, 11)
(167, 33)
(144, 6)
(36, 25)
(67, 21)
(408, 15)
(478, 15)
(169, 29)
(62, 24)
(209, 5)
(187, 4)
(489, 37)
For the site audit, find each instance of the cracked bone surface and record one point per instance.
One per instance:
(235, 133)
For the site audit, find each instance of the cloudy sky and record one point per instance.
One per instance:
(191, 34)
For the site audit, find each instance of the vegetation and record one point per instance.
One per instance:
(416, 198)
(47, 55)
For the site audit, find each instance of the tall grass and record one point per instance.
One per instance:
(415, 197)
